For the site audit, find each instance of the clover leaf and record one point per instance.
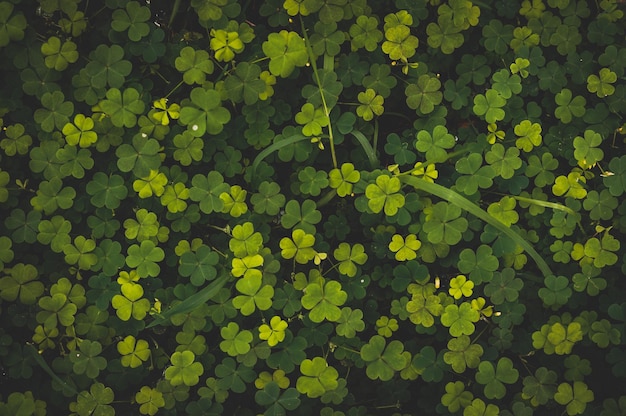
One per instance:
(144, 258)
(541, 387)
(268, 200)
(132, 19)
(204, 113)
(456, 397)
(199, 265)
(225, 44)
(184, 369)
(323, 300)
(134, 351)
(303, 216)
(444, 224)
(317, 377)
(480, 264)
(462, 354)
(194, 64)
(444, 35)
(494, 379)
(601, 84)
(568, 107)
(563, 338)
(364, 33)
(286, 51)
(151, 184)
(108, 67)
(529, 135)
(96, 401)
(235, 342)
(348, 257)
(51, 195)
(382, 359)
(123, 106)
(504, 160)
(424, 94)
(206, 189)
(150, 400)
(350, 322)
(274, 332)
(56, 111)
(574, 397)
(130, 302)
(480, 408)
(435, 144)
(80, 253)
(475, 174)
(405, 249)
(21, 282)
(11, 25)
(460, 319)
(556, 292)
(384, 194)
(86, 359)
(423, 307)
(244, 84)
(253, 295)
(490, 105)
(460, 287)
(141, 157)
(277, 403)
(16, 141)
(343, 179)
(586, 149)
(59, 56)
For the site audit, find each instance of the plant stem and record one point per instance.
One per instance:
(319, 86)
(174, 89)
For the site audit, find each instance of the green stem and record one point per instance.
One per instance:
(175, 8)
(174, 89)
(319, 86)
(326, 198)
(375, 141)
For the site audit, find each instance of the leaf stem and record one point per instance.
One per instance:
(319, 86)
(174, 89)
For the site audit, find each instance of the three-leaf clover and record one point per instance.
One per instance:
(462, 354)
(424, 94)
(131, 302)
(574, 397)
(204, 113)
(194, 64)
(460, 319)
(132, 19)
(348, 257)
(86, 359)
(286, 51)
(253, 295)
(184, 369)
(601, 84)
(134, 351)
(323, 300)
(383, 359)
(405, 249)
(317, 377)
(299, 246)
(385, 195)
(274, 332)
(494, 378)
(490, 105)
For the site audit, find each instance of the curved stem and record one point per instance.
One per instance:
(319, 86)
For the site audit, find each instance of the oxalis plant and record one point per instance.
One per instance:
(316, 207)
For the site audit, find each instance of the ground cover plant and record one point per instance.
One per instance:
(312, 207)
